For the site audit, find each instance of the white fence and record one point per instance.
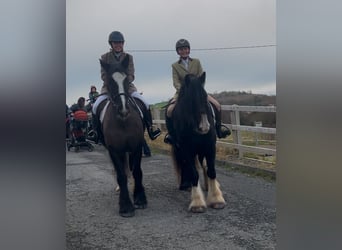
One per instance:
(236, 128)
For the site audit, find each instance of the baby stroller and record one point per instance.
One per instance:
(79, 131)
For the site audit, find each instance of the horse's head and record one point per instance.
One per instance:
(117, 83)
(194, 100)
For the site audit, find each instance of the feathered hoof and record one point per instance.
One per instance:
(126, 209)
(200, 209)
(140, 200)
(127, 214)
(217, 205)
(140, 206)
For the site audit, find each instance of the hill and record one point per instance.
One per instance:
(243, 98)
(248, 99)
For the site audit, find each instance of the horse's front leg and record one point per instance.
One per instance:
(197, 204)
(139, 195)
(215, 198)
(126, 207)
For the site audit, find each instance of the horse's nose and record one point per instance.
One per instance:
(124, 113)
(204, 125)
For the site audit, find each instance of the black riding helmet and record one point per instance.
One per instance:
(115, 36)
(182, 43)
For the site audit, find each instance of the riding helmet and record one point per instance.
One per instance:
(182, 43)
(115, 36)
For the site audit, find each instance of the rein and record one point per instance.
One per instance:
(121, 107)
(117, 96)
(130, 100)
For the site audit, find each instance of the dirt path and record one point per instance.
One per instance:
(93, 222)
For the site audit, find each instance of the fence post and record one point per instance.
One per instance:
(257, 124)
(156, 115)
(235, 118)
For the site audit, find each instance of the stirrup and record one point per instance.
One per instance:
(95, 137)
(223, 133)
(168, 139)
(154, 134)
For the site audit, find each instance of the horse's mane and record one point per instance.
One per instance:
(191, 102)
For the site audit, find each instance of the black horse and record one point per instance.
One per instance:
(195, 141)
(123, 132)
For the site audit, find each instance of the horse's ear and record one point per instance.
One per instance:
(202, 78)
(125, 61)
(104, 65)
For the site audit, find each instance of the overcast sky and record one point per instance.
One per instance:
(157, 25)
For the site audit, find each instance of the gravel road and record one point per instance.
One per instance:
(93, 221)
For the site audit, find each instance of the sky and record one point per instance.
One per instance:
(224, 34)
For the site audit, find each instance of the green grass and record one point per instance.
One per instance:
(253, 172)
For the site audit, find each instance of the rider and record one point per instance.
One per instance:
(67, 120)
(80, 105)
(117, 54)
(187, 65)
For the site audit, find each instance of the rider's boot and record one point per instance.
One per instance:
(153, 134)
(222, 131)
(97, 127)
(169, 137)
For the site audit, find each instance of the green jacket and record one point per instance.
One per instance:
(92, 96)
(179, 72)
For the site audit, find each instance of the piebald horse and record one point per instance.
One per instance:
(195, 143)
(123, 132)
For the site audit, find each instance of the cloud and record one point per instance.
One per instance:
(157, 24)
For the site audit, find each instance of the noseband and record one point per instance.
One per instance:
(121, 105)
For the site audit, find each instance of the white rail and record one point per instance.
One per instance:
(236, 128)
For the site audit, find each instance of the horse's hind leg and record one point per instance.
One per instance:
(126, 207)
(129, 177)
(201, 164)
(139, 195)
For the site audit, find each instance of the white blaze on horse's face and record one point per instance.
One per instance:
(119, 78)
(204, 125)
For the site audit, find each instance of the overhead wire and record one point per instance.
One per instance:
(203, 49)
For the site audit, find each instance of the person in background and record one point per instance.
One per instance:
(80, 105)
(117, 54)
(79, 112)
(67, 121)
(188, 65)
(93, 94)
